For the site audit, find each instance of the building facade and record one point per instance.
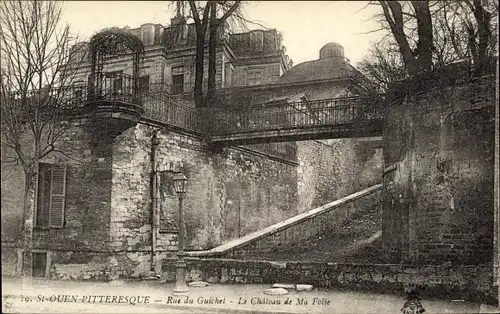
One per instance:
(106, 208)
(254, 58)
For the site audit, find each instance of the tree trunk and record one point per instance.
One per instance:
(396, 23)
(483, 18)
(201, 28)
(212, 54)
(27, 224)
(198, 81)
(425, 38)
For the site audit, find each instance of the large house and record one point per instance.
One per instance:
(107, 208)
(253, 58)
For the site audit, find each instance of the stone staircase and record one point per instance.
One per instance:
(334, 231)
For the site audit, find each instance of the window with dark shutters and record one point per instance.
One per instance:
(51, 195)
(57, 196)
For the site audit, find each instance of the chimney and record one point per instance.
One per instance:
(148, 34)
(279, 41)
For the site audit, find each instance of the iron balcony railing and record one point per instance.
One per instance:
(331, 112)
(113, 86)
(159, 106)
(61, 101)
(172, 89)
(165, 110)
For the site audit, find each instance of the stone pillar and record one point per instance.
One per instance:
(439, 161)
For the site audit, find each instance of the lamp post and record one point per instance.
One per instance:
(180, 288)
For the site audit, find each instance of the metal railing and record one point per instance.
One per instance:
(172, 89)
(114, 87)
(48, 101)
(354, 112)
(164, 110)
(338, 111)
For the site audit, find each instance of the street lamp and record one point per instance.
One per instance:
(180, 288)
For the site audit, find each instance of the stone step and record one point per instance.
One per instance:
(275, 291)
(291, 286)
(280, 226)
(198, 284)
(303, 287)
(284, 285)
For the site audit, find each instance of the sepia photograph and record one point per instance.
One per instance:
(250, 156)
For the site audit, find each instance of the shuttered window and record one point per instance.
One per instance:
(51, 195)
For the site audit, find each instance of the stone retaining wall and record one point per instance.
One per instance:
(473, 283)
(84, 265)
(439, 165)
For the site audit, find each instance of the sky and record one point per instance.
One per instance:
(306, 25)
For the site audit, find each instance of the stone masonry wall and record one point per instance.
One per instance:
(9, 261)
(332, 169)
(88, 192)
(87, 203)
(457, 282)
(438, 154)
(229, 193)
(87, 196)
(107, 230)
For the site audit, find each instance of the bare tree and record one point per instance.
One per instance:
(34, 99)
(420, 58)
(383, 65)
(468, 28)
(449, 35)
(462, 29)
(480, 35)
(220, 12)
(211, 16)
(201, 17)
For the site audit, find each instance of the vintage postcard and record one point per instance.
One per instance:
(249, 156)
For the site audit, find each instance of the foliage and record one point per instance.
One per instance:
(383, 65)
(115, 41)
